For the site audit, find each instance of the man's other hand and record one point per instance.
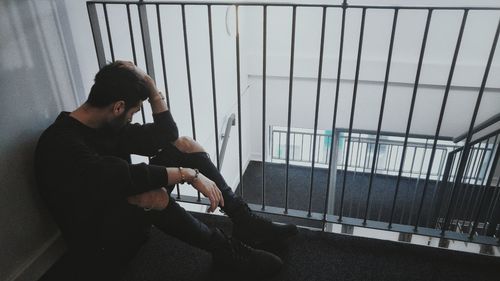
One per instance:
(208, 188)
(154, 200)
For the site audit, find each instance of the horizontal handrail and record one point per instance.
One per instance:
(388, 133)
(312, 5)
(367, 139)
(490, 121)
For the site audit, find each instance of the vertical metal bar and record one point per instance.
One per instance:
(393, 168)
(481, 154)
(489, 157)
(188, 73)
(238, 92)
(450, 159)
(146, 46)
(470, 170)
(367, 151)
(311, 141)
(214, 90)
(162, 52)
(188, 69)
(471, 126)
(486, 172)
(441, 114)
(483, 197)
(293, 145)
(318, 91)
(108, 31)
(327, 152)
(131, 32)
(376, 165)
(381, 114)
(146, 39)
(290, 88)
(493, 217)
(436, 185)
(96, 34)
(279, 145)
(413, 160)
(356, 161)
(494, 199)
(418, 180)
(264, 73)
(411, 173)
(475, 178)
(335, 134)
(302, 147)
(483, 157)
(410, 114)
(271, 141)
(353, 106)
(388, 161)
(463, 187)
(366, 155)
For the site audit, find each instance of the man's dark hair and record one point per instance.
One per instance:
(115, 82)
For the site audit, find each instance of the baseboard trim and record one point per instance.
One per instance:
(41, 260)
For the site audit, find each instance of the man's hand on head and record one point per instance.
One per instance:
(148, 81)
(155, 98)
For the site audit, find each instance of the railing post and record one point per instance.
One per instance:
(146, 40)
(442, 187)
(96, 34)
(483, 197)
(330, 199)
(332, 184)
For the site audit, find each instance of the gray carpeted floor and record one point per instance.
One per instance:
(355, 194)
(318, 256)
(311, 255)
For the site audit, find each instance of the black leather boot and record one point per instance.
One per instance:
(257, 231)
(232, 255)
(250, 228)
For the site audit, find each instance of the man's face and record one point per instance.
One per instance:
(122, 119)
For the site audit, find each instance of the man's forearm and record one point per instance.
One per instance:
(177, 175)
(158, 103)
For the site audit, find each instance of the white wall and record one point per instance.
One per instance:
(476, 44)
(38, 77)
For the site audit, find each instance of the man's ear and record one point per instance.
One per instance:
(118, 107)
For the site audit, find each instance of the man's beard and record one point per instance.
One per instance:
(116, 124)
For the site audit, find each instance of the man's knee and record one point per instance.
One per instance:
(188, 145)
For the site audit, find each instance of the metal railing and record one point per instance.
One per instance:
(456, 170)
(469, 208)
(362, 149)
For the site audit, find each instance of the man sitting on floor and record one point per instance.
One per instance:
(105, 206)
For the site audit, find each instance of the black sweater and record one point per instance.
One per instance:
(81, 171)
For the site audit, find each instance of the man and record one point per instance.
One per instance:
(105, 205)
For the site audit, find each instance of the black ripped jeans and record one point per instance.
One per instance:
(176, 221)
(125, 227)
(173, 157)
